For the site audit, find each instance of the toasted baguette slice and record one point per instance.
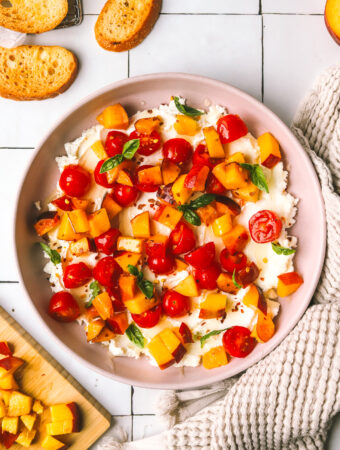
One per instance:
(33, 72)
(32, 16)
(123, 24)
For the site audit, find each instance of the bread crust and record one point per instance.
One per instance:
(137, 38)
(12, 95)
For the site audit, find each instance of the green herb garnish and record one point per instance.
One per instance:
(52, 254)
(135, 335)
(282, 250)
(129, 150)
(256, 175)
(95, 290)
(208, 335)
(187, 110)
(188, 209)
(145, 286)
(235, 282)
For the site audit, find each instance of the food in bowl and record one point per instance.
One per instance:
(167, 235)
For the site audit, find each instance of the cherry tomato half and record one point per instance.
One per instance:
(114, 143)
(206, 278)
(238, 342)
(63, 307)
(148, 319)
(101, 178)
(182, 239)
(202, 257)
(177, 150)
(213, 186)
(161, 265)
(265, 226)
(148, 143)
(107, 271)
(75, 181)
(63, 203)
(124, 195)
(230, 128)
(144, 187)
(232, 262)
(76, 275)
(247, 275)
(201, 157)
(175, 304)
(107, 242)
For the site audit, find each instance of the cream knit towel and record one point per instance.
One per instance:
(287, 400)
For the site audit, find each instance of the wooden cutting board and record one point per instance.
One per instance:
(43, 378)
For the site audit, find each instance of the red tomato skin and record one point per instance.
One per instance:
(201, 157)
(75, 181)
(177, 150)
(148, 319)
(101, 178)
(230, 128)
(247, 275)
(206, 278)
(238, 342)
(232, 262)
(63, 203)
(182, 239)
(107, 242)
(114, 142)
(201, 257)
(63, 307)
(148, 143)
(186, 334)
(124, 195)
(107, 271)
(161, 265)
(76, 275)
(213, 186)
(144, 187)
(264, 226)
(175, 304)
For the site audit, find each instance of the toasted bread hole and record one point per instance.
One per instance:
(51, 71)
(6, 4)
(12, 57)
(55, 63)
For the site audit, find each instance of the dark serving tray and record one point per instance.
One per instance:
(74, 15)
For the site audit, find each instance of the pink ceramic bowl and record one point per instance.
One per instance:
(142, 93)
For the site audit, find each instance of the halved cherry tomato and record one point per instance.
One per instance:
(143, 186)
(182, 239)
(265, 226)
(230, 128)
(148, 143)
(148, 319)
(213, 186)
(201, 157)
(161, 265)
(156, 248)
(101, 178)
(202, 257)
(238, 342)
(107, 242)
(114, 143)
(206, 278)
(63, 307)
(177, 150)
(75, 181)
(175, 304)
(232, 262)
(63, 203)
(124, 195)
(76, 275)
(247, 275)
(107, 271)
(186, 334)
(114, 293)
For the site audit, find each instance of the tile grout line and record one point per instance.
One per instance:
(131, 406)
(232, 14)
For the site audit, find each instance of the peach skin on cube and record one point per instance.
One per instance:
(269, 150)
(215, 357)
(160, 353)
(207, 214)
(65, 411)
(254, 299)
(9, 365)
(332, 19)
(288, 283)
(196, 178)
(225, 283)
(173, 344)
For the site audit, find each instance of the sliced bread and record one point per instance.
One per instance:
(123, 24)
(33, 72)
(32, 16)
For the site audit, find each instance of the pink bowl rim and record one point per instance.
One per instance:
(272, 344)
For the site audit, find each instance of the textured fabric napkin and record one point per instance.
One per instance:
(10, 38)
(287, 400)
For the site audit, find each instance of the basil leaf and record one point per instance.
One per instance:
(201, 201)
(133, 270)
(95, 290)
(52, 254)
(282, 250)
(256, 176)
(146, 287)
(135, 335)
(212, 333)
(187, 110)
(111, 163)
(190, 216)
(235, 282)
(130, 148)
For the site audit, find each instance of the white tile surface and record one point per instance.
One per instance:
(144, 400)
(292, 59)
(119, 424)
(293, 6)
(31, 120)
(145, 426)
(227, 50)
